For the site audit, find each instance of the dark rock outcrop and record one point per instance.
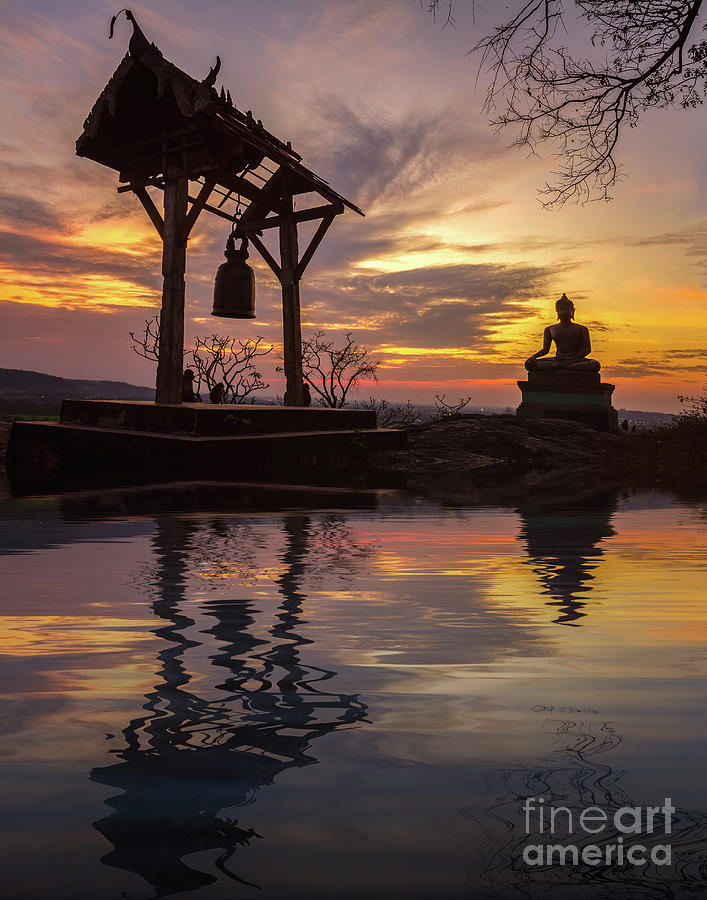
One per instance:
(471, 457)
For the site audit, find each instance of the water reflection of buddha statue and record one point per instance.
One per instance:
(564, 546)
(572, 344)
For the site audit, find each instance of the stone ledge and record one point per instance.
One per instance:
(566, 387)
(564, 379)
(211, 419)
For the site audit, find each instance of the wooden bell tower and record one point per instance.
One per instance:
(165, 131)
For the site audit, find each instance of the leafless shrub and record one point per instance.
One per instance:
(391, 415)
(333, 371)
(444, 410)
(214, 359)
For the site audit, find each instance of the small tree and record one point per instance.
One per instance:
(331, 371)
(214, 359)
(444, 410)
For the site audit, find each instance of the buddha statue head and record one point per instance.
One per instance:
(564, 308)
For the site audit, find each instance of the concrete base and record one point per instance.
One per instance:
(199, 441)
(577, 396)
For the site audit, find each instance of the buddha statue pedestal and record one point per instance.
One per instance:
(566, 394)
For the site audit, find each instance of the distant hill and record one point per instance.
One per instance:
(17, 384)
(36, 394)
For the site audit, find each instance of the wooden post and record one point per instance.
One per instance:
(292, 333)
(174, 257)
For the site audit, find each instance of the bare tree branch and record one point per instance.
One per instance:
(147, 343)
(642, 58)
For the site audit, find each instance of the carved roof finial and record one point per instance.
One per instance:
(210, 79)
(138, 42)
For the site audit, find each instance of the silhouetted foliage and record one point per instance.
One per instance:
(694, 408)
(333, 371)
(672, 455)
(214, 359)
(391, 415)
(643, 56)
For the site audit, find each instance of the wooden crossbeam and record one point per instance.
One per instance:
(316, 241)
(150, 209)
(149, 182)
(327, 215)
(303, 215)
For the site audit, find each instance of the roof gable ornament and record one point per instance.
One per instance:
(138, 41)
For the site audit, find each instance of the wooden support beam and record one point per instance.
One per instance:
(197, 205)
(150, 209)
(160, 184)
(132, 186)
(174, 255)
(265, 253)
(268, 198)
(292, 332)
(302, 215)
(315, 242)
(212, 209)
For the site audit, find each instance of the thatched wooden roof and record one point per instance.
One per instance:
(152, 118)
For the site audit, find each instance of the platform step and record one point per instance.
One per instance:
(211, 419)
(43, 455)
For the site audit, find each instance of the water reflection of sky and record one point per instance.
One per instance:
(344, 702)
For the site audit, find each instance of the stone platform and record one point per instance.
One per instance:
(211, 419)
(110, 442)
(577, 396)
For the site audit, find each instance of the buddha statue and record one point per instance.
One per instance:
(572, 344)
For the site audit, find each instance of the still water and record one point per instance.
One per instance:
(349, 696)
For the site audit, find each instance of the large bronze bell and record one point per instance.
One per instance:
(234, 285)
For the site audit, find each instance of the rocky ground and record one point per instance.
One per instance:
(482, 457)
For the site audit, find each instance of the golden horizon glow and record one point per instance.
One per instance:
(50, 635)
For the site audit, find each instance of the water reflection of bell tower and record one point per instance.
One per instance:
(189, 757)
(563, 543)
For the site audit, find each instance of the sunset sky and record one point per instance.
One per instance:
(452, 274)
